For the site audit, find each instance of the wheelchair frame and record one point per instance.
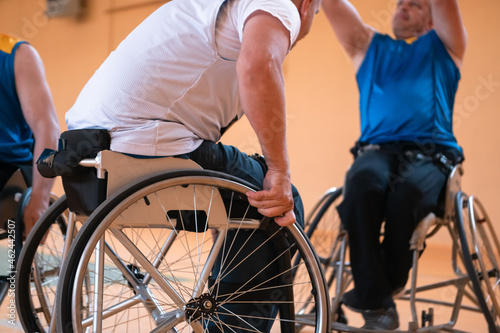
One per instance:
(463, 223)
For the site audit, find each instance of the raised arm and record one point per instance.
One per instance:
(354, 35)
(449, 27)
(39, 112)
(265, 44)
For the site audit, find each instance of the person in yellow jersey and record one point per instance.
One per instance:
(26, 113)
(407, 87)
(28, 121)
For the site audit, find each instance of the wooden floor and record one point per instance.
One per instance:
(434, 266)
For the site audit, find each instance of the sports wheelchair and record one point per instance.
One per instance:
(14, 198)
(160, 250)
(475, 259)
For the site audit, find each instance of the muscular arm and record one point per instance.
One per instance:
(449, 27)
(39, 112)
(265, 44)
(354, 35)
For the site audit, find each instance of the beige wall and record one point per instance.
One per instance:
(322, 97)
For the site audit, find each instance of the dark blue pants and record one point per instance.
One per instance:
(401, 190)
(7, 170)
(230, 160)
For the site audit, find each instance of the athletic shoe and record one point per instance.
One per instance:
(381, 320)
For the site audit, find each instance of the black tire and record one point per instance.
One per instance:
(325, 232)
(323, 228)
(13, 234)
(482, 256)
(34, 299)
(127, 220)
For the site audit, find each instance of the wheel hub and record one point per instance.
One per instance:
(138, 275)
(203, 305)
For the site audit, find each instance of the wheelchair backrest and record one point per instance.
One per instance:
(123, 169)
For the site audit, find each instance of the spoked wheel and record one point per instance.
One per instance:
(12, 228)
(323, 228)
(482, 256)
(185, 252)
(39, 267)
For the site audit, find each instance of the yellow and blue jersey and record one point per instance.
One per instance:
(16, 138)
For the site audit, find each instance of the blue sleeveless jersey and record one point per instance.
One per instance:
(407, 91)
(16, 138)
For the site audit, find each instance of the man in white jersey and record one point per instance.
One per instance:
(186, 73)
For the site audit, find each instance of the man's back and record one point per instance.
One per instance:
(165, 88)
(163, 70)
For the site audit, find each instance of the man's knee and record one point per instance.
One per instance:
(364, 184)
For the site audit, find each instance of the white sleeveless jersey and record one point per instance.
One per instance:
(166, 88)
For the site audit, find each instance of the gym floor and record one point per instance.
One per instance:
(434, 266)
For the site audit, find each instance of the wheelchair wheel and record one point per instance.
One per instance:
(38, 268)
(13, 199)
(185, 252)
(482, 256)
(12, 233)
(323, 228)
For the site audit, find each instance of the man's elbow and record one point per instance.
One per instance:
(258, 70)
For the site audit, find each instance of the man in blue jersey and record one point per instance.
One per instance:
(407, 88)
(27, 113)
